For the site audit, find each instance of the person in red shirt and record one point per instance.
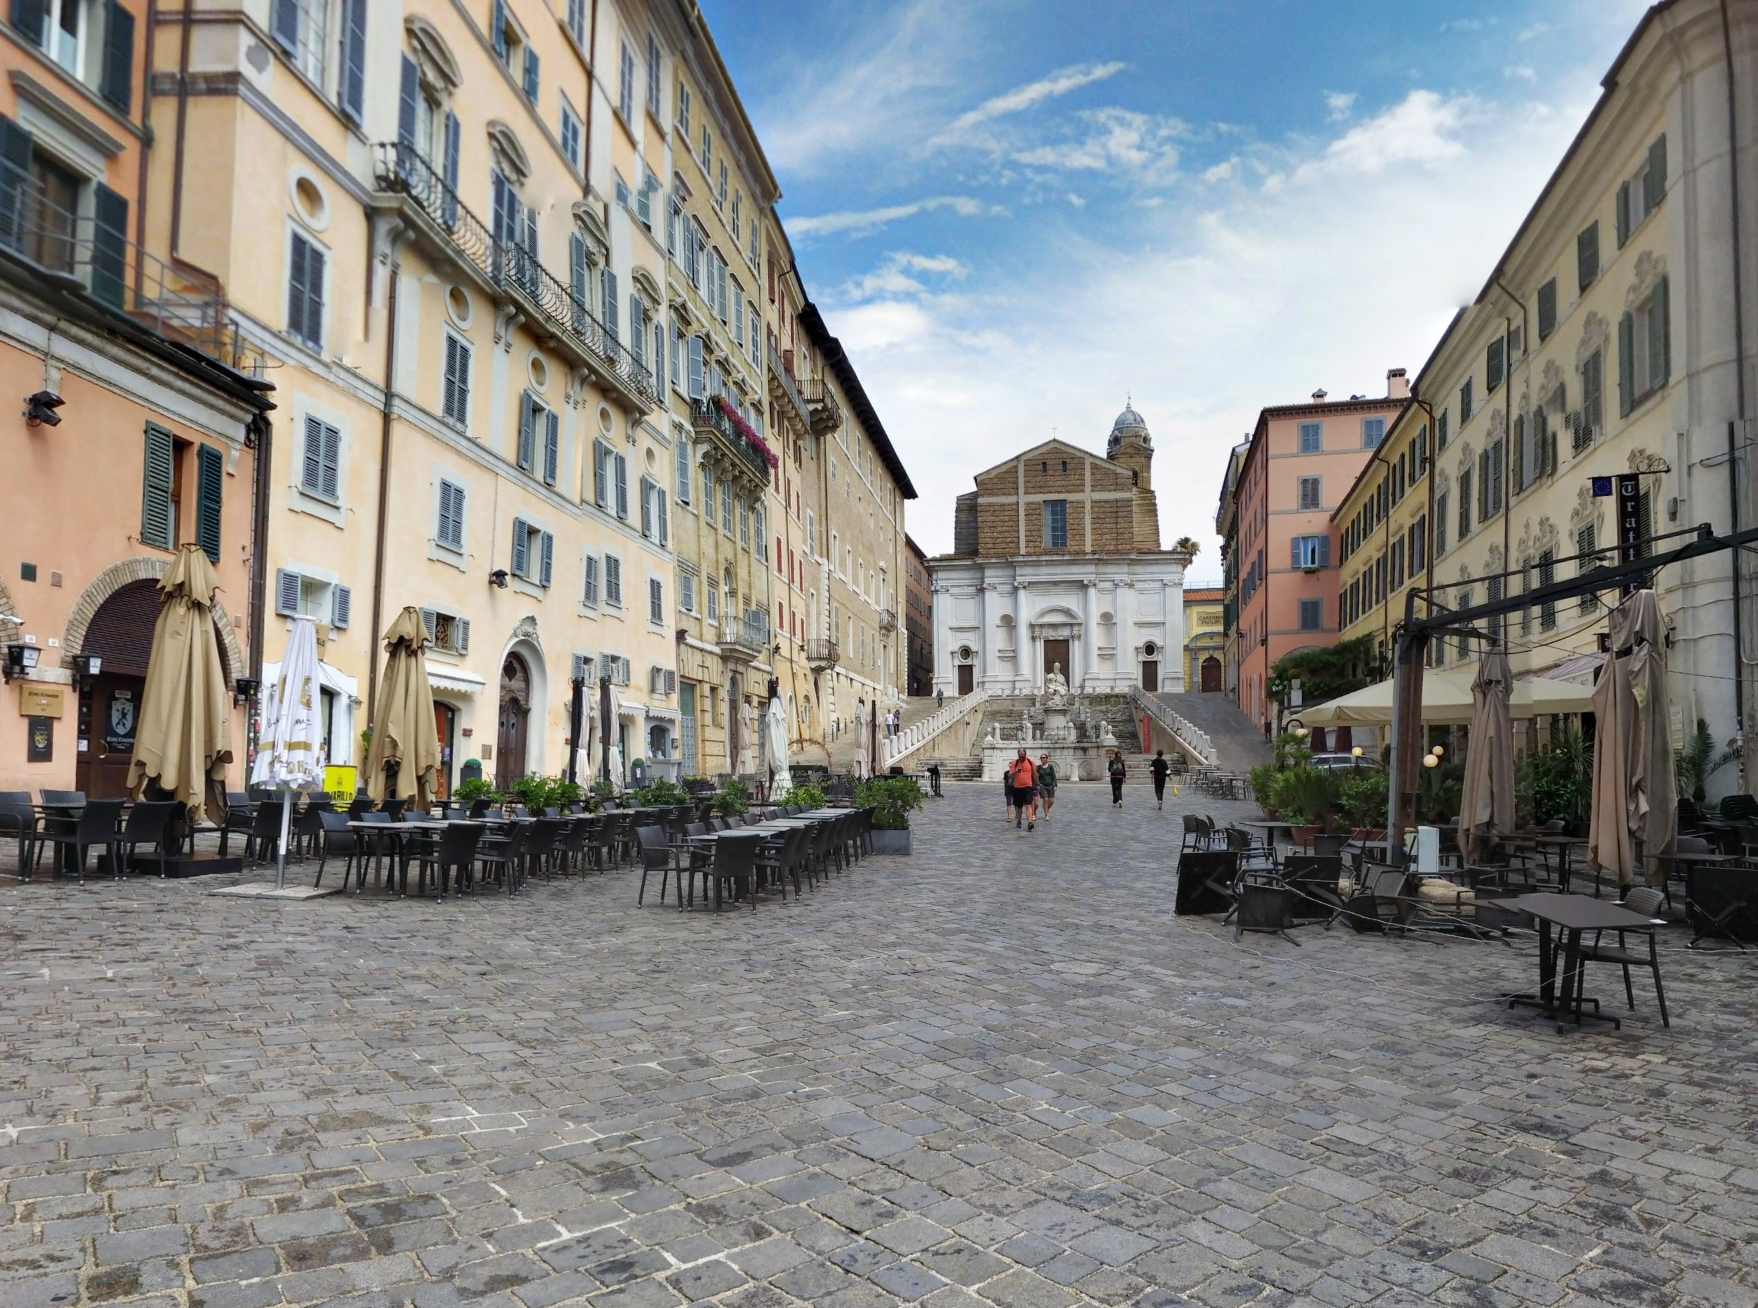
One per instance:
(1023, 777)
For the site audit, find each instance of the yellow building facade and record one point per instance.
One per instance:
(1606, 341)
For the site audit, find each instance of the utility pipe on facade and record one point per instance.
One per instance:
(186, 18)
(146, 136)
(384, 479)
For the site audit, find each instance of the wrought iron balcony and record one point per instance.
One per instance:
(515, 271)
(99, 260)
(784, 390)
(709, 419)
(746, 638)
(822, 406)
(821, 653)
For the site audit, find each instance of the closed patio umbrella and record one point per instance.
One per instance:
(1486, 804)
(404, 735)
(779, 780)
(1635, 792)
(290, 754)
(184, 739)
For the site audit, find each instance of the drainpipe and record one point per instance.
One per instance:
(384, 488)
(182, 126)
(260, 433)
(146, 131)
(1733, 466)
(1508, 435)
(1433, 468)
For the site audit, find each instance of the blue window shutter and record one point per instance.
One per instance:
(548, 559)
(552, 445)
(1324, 551)
(156, 518)
(286, 24)
(354, 60)
(451, 169)
(408, 103)
(286, 592)
(27, 16)
(311, 475)
(521, 548)
(462, 627)
(610, 304)
(341, 607)
(499, 34)
(577, 273)
(532, 65)
(210, 495)
(527, 436)
(109, 246)
(622, 487)
(332, 461)
(117, 81)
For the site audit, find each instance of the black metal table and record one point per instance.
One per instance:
(1567, 916)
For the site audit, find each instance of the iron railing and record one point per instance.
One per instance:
(821, 406)
(706, 415)
(510, 266)
(821, 651)
(101, 261)
(913, 738)
(751, 632)
(785, 386)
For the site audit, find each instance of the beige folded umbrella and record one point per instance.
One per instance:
(404, 735)
(184, 740)
(1486, 804)
(1640, 790)
(1611, 828)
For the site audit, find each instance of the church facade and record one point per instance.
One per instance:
(1057, 569)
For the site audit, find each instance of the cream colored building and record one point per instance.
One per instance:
(514, 260)
(1605, 341)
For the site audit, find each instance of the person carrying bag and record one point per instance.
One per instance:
(1118, 772)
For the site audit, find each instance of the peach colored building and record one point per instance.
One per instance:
(143, 436)
(1300, 462)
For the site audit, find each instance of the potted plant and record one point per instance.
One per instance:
(475, 788)
(1699, 760)
(662, 793)
(807, 796)
(1307, 796)
(733, 798)
(1365, 795)
(892, 799)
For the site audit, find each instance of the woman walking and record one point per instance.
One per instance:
(1118, 772)
(1046, 783)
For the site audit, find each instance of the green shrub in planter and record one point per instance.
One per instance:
(662, 793)
(468, 792)
(1309, 794)
(808, 796)
(1263, 780)
(1366, 794)
(892, 799)
(733, 798)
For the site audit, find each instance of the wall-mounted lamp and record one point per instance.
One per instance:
(87, 666)
(244, 689)
(20, 659)
(498, 578)
(40, 409)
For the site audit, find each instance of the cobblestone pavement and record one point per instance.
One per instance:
(999, 1072)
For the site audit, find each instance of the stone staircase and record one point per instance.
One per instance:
(1239, 745)
(1007, 712)
(914, 709)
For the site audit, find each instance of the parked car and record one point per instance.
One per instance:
(1344, 762)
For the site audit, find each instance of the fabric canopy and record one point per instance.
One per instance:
(1486, 803)
(404, 734)
(1635, 809)
(778, 761)
(1446, 701)
(184, 739)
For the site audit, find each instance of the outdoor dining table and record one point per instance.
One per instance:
(1561, 920)
(1561, 847)
(1270, 828)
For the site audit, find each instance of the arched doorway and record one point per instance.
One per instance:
(121, 634)
(1211, 675)
(515, 715)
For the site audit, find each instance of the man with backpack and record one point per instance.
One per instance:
(1159, 767)
(1118, 772)
(1022, 776)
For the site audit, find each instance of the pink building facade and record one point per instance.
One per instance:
(1301, 461)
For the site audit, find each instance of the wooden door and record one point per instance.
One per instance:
(1150, 675)
(967, 675)
(445, 719)
(1055, 654)
(509, 748)
(1211, 675)
(109, 715)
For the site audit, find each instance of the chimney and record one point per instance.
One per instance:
(1318, 396)
(1397, 384)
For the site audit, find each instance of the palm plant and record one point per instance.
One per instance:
(1698, 761)
(1187, 545)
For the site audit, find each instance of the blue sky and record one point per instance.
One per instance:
(1016, 214)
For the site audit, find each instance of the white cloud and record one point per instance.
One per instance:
(893, 278)
(1021, 98)
(1521, 72)
(863, 222)
(1353, 265)
(1422, 128)
(1115, 141)
(1078, 201)
(1222, 172)
(1339, 104)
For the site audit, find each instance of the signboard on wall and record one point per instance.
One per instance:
(340, 783)
(39, 699)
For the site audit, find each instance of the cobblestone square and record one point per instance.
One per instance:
(998, 1072)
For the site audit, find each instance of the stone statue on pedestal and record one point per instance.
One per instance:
(1056, 686)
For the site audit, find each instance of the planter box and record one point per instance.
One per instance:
(891, 842)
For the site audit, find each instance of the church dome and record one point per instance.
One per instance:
(1129, 423)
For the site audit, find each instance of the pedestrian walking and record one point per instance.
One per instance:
(940, 699)
(1046, 784)
(1118, 772)
(1159, 767)
(1023, 776)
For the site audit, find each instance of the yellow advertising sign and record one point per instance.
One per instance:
(341, 784)
(39, 699)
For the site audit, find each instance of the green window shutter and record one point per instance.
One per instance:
(157, 515)
(1623, 214)
(1655, 179)
(1658, 362)
(210, 495)
(109, 246)
(1547, 308)
(116, 81)
(16, 149)
(1587, 255)
(1493, 364)
(1626, 365)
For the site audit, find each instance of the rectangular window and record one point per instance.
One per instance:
(621, 473)
(1312, 551)
(1464, 502)
(684, 110)
(1587, 256)
(1494, 364)
(1547, 309)
(533, 74)
(1311, 493)
(1592, 416)
(1056, 524)
(455, 384)
(653, 71)
(1495, 588)
(1397, 565)
(1440, 431)
(1465, 402)
(1547, 575)
(681, 452)
(687, 592)
(1312, 437)
(655, 600)
(1312, 615)
(713, 602)
(1440, 525)
(626, 84)
(577, 20)
(321, 467)
(533, 552)
(613, 580)
(450, 529)
(589, 586)
(305, 292)
(603, 474)
(726, 507)
(744, 525)
(1373, 431)
(1643, 361)
(570, 134)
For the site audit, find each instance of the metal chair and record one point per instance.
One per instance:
(337, 837)
(454, 850)
(96, 828)
(735, 864)
(18, 820)
(1644, 900)
(149, 824)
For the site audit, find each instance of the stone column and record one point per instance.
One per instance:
(1089, 637)
(988, 614)
(1172, 604)
(1025, 660)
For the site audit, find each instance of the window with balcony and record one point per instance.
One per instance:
(92, 39)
